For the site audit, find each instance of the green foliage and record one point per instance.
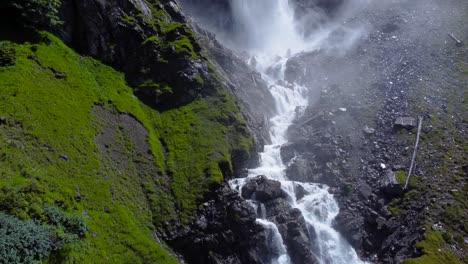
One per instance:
(200, 138)
(24, 241)
(72, 223)
(159, 88)
(49, 117)
(435, 250)
(183, 45)
(401, 177)
(38, 13)
(7, 54)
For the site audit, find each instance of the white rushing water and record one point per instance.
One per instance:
(272, 40)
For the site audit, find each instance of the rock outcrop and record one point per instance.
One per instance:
(140, 38)
(225, 231)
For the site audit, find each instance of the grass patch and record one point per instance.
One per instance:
(435, 250)
(49, 118)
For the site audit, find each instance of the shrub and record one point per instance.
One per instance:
(7, 54)
(73, 224)
(24, 241)
(37, 13)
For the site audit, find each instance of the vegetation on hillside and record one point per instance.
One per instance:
(52, 171)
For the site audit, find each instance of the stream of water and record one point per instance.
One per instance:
(273, 39)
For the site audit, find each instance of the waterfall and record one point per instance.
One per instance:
(271, 39)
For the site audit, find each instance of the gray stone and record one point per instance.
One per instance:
(262, 189)
(390, 185)
(380, 222)
(60, 75)
(405, 122)
(368, 131)
(365, 190)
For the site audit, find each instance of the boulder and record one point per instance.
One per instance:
(277, 207)
(351, 226)
(295, 233)
(213, 237)
(299, 191)
(365, 190)
(262, 189)
(405, 122)
(390, 185)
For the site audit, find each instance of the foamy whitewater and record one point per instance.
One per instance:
(272, 40)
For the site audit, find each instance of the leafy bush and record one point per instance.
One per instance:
(37, 13)
(7, 54)
(24, 241)
(73, 224)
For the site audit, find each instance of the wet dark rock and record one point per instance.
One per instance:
(290, 149)
(300, 170)
(405, 122)
(262, 189)
(350, 225)
(293, 229)
(225, 231)
(277, 207)
(300, 191)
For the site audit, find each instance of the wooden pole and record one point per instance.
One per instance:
(414, 152)
(459, 42)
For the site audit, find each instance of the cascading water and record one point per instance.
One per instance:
(272, 39)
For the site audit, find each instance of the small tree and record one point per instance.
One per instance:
(37, 13)
(24, 241)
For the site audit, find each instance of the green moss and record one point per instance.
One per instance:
(159, 88)
(48, 151)
(401, 177)
(152, 40)
(183, 45)
(435, 250)
(200, 138)
(200, 80)
(49, 118)
(395, 211)
(130, 20)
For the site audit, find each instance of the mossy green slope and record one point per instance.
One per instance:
(48, 140)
